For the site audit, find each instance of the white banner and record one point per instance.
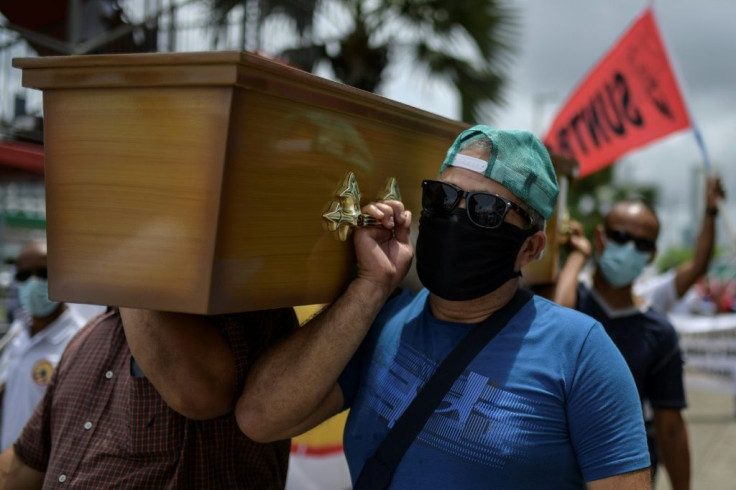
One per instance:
(709, 346)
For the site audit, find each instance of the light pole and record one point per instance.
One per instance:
(74, 24)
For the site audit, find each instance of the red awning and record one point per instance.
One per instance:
(23, 156)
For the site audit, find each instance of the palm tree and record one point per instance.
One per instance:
(256, 12)
(468, 43)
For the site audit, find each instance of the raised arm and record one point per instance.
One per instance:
(186, 358)
(16, 475)
(293, 387)
(579, 251)
(689, 272)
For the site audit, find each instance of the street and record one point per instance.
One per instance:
(711, 421)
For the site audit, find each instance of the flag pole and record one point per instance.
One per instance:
(708, 168)
(700, 142)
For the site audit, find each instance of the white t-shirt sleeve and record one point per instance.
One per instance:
(4, 361)
(659, 291)
(6, 355)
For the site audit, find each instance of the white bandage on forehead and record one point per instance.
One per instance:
(470, 163)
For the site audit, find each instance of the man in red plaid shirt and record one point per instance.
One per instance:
(144, 399)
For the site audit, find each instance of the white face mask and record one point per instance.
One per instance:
(621, 264)
(34, 297)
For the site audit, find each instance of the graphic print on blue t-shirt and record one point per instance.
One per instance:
(521, 415)
(476, 421)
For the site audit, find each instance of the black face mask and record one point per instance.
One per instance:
(459, 261)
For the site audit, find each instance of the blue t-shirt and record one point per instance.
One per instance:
(548, 403)
(649, 345)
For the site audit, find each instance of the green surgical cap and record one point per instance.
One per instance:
(519, 162)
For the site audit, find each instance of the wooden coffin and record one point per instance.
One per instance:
(197, 182)
(541, 275)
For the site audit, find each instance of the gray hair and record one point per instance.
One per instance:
(479, 142)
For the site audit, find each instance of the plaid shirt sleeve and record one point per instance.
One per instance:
(250, 334)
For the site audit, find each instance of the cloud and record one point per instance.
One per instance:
(562, 40)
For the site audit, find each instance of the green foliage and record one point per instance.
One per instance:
(468, 43)
(673, 257)
(722, 264)
(300, 11)
(591, 198)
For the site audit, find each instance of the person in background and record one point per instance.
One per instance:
(37, 340)
(548, 403)
(12, 305)
(665, 290)
(624, 244)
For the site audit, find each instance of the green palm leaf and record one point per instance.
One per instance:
(468, 43)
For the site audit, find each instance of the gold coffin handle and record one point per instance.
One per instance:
(343, 213)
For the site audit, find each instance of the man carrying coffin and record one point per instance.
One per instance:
(548, 403)
(144, 399)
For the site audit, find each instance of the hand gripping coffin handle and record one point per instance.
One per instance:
(343, 213)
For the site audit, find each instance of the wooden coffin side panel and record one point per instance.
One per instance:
(287, 156)
(196, 182)
(134, 176)
(545, 270)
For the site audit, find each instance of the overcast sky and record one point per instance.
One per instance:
(561, 40)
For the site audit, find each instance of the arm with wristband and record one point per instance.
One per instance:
(690, 271)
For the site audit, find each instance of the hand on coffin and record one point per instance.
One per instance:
(294, 385)
(384, 253)
(580, 248)
(575, 240)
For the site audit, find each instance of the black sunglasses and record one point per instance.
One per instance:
(484, 209)
(623, 237)
(23, 275)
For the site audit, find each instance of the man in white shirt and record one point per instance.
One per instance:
(665, 290)
(36, 343)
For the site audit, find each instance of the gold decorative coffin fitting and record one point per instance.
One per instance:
(344, 212)
(197, 182)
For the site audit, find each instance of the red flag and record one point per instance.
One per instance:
(628, 100)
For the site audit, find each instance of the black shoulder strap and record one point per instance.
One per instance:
(378, 469)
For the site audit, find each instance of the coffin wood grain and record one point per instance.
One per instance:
(196, 182)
